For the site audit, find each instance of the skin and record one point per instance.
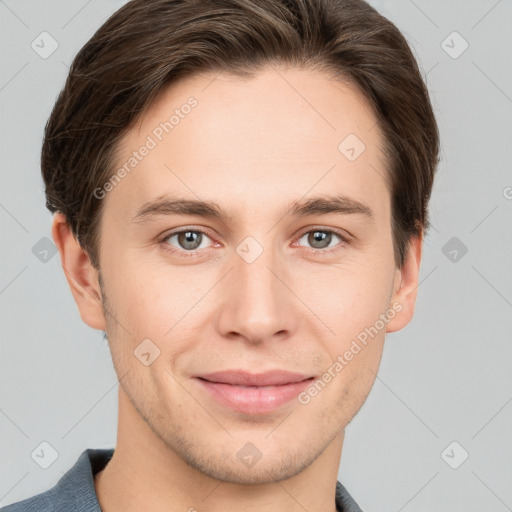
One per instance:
(296, 307)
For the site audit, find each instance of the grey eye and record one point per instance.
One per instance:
(321, 239)
(190, 239)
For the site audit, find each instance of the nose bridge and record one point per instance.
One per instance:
(259, 304)
(255, 279)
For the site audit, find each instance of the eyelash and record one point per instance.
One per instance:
(187, 254)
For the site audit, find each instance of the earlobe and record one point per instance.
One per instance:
(82, 277)
(406, 284)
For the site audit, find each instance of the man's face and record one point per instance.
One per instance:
(259, 288)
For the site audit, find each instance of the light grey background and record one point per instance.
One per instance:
(446, 377)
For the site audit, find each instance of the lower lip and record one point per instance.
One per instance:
(254, 399)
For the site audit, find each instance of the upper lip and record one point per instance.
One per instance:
(244, 378)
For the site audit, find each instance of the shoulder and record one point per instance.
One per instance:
(344, 501)
(74, 491)
(44, 502)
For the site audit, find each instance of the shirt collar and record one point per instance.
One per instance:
(78, 484)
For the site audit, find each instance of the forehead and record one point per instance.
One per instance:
(283, 132)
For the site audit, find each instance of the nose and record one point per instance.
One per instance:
(258, 305)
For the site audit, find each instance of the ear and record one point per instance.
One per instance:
(82, 277)
(405, 287)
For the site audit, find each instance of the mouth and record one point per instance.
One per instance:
(253, 393)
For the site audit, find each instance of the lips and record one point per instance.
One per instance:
(243, 378)
(253, 393)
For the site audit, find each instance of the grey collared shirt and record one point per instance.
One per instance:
(75, 491)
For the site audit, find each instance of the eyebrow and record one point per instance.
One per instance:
(321, 205)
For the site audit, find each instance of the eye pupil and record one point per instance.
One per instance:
(190, 239)
(318, 238)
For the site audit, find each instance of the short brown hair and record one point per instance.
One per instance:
(148, 44)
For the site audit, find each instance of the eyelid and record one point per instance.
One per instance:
(199, 229)
(340, 232)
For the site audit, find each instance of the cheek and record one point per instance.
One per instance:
(157, 301)
(348, 297)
